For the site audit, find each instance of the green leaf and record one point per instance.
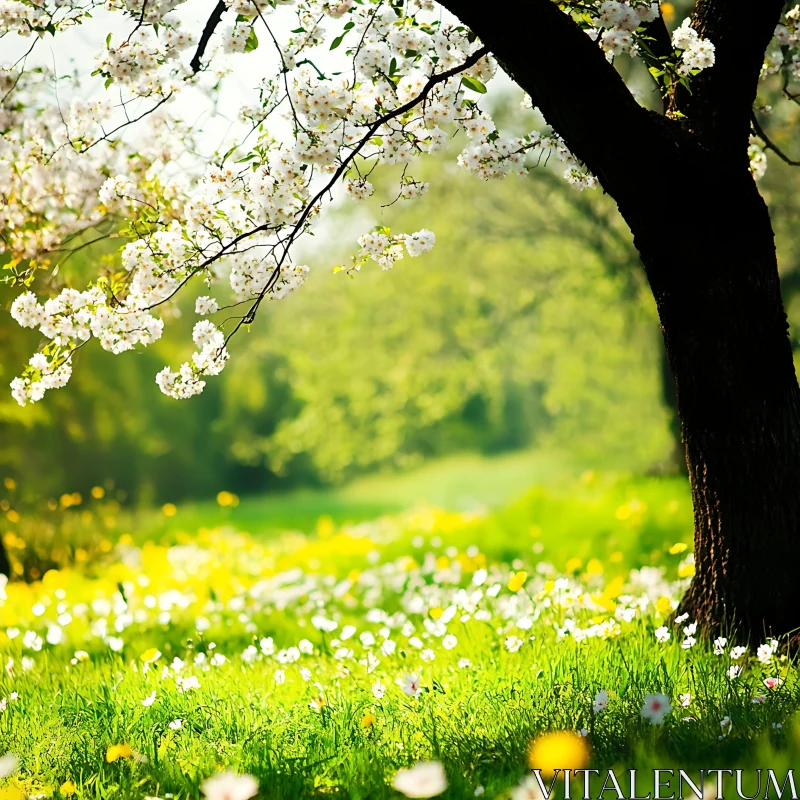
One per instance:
(252, 41)
(474, 84)
(336, 42)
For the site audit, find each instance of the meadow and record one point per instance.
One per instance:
(323, 643)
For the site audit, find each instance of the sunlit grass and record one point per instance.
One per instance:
(323, 662)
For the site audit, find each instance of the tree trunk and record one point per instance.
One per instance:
(5, 564)
(717, 290)
(676, 461)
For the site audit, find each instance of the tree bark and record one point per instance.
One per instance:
(703, 232)
(718, 295)
(5, 564)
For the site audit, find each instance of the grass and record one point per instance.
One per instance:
(294, 652)
(465, 482)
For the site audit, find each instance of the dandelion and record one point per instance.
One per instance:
(410, 685)
(68, 788)
(426, 779)
(118, 751)
(230, 786)
(558, 751)
(656, 707)
(367, 721)
(600, 702)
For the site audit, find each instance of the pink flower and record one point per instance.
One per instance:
(772, 683)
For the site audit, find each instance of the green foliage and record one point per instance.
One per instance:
(527, 324)
(510, 332)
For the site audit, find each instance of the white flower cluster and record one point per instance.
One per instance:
(784, 55)
(148, 61)
(71, 317)
(386, 250)
(407, 81)
(698, 54)
(209, 359)
(619, 21)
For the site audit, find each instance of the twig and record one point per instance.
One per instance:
(769, 144)
(205, 36)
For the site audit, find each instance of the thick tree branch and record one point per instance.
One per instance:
(720, 103)
(579, 93)
(205, 36)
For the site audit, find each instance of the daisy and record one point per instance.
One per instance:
(426, 779)
(600, 701)
(410, 685)
(230, 786)
(655, 708)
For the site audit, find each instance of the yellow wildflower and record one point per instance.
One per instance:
(517, 581)
(151, 655)
(118, 751)
(558, 751)
(663, 605)
(594, 566)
